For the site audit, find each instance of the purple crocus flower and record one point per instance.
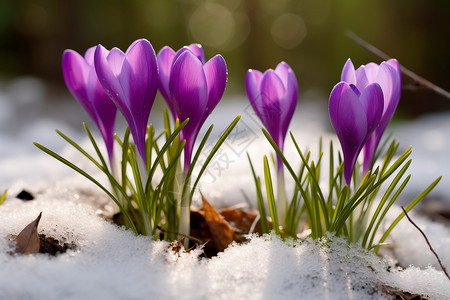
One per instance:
(195, 89)
(354, 115)
(131, 80)
(273, 96)
(388, 76)
(166, 56)
(81, 79)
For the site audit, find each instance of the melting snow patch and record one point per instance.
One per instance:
(112, 263)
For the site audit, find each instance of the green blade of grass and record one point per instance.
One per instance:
(306, 199)
(261, 206)
(90, 178)
(3, 197)
(270, 196)
(384, 199)
(407, 209)
(383, 214)
(195, 159)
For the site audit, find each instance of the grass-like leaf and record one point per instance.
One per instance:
(3, 197)
(271, 196)
(407, 209)
(89, 177)
(259, 197)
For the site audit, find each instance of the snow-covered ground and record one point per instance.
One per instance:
(112, 263)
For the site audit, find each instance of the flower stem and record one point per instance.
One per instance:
(185, 210)
(281, 201)
(142, 169)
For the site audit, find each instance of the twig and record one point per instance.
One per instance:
(420, 81)
(181, 234)
(426, 239)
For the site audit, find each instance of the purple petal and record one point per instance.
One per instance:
(197, 50)
(394, 63)
(371, 71)
(334, 103)
(75, 73)
(82, 81)
(390, 82)
(349, 120)
(253, 88)
(289, 103)
(108, 79)
(89, 56)
(348, 72)
(115, 60)
(165, 59)
(188, 87)
(372, 100)
(361, 78)
(139, 79)
(272, 93)
(130, 79)
(216, 78)
(282, 71)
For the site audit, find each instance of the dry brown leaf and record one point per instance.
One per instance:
(239, 219)
(242, 220)
(27, 242)
(221, 232)
(397, 293)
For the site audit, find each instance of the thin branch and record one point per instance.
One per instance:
(426, 239)
(198, 241)
(420, 81)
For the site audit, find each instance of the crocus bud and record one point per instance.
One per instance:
(81, 79)
(131, 80)
(166, 56)
(195, 89)
(388, 76)
(273, 96)
(354, 115)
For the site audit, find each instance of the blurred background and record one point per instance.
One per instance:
(308, 34)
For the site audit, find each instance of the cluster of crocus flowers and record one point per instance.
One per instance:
(273, 96)
(106, 81)
(360, 108)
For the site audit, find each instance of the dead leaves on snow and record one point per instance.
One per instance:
(27, 242)
(220, 229)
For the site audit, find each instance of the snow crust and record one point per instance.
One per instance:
(111, 263)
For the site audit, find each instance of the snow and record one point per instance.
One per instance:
(112, 263)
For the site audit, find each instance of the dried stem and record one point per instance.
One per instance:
(426, 239)
(419, 81)
(180, 234)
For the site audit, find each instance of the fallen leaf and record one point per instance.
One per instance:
(243, 219)
(27, 242)
(397, 293)
(221, 232)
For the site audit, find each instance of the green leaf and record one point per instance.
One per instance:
(271, 196)
(3, 197)
(89, 177)
(163, 150)
(195, 159)
(261, 206)
(408, 208)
